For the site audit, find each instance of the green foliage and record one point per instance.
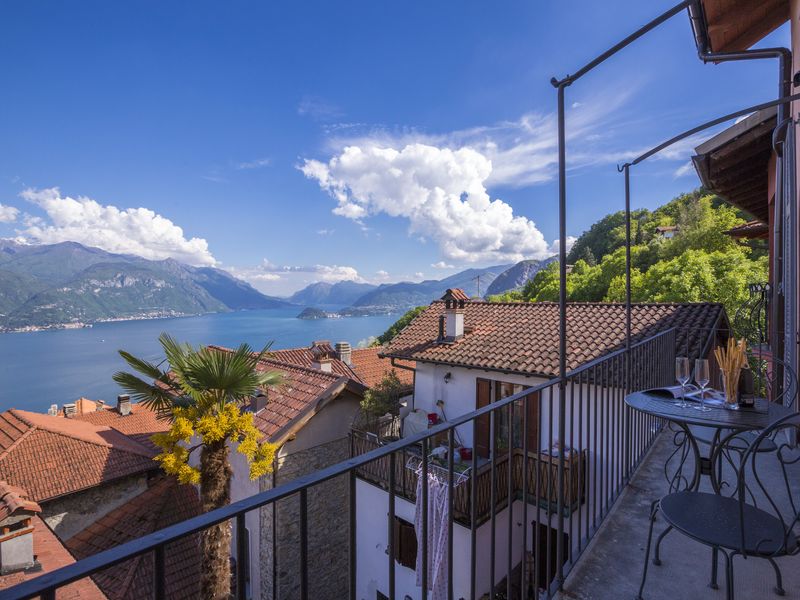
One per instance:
(700, 263)
(507, 296)
(202, 389)
(384, 397)
(398, 326)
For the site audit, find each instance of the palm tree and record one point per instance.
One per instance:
(202, 391)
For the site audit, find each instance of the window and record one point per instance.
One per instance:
(405, 543)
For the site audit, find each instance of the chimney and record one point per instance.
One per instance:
(53, 410)
(100, 405)
(258, 402)
(344, 352)
(322, 353)
(70, 410)
(124, 404)
(16, 530)
(454, 300)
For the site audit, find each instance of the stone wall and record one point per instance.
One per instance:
(328, 528)
(73, 513)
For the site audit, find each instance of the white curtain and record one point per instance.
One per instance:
(438, 506)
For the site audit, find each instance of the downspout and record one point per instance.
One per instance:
(413, 381)
(784, 56)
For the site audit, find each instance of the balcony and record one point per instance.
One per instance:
(542, 473)
(613, 563)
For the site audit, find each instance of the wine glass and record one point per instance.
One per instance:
(683, 375)
(702, 377)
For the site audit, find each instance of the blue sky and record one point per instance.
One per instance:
(294, 142)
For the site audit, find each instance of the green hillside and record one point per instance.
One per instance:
(700, 263)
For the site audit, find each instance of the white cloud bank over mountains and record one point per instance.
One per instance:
(442, 192)
(137, 231)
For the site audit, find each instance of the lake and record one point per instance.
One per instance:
(41, 368)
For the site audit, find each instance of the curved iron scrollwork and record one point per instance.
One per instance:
(750, 320)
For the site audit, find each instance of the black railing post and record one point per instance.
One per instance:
(392, 541)
(562, 317)
(304, 544)
(159, 574)
(241, 557)
(352, 546)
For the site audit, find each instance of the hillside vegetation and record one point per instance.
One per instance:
(700, 263)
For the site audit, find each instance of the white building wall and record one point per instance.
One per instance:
(593, 425)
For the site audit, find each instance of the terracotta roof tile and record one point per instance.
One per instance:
(304, 357)
(301, 389)
(523, 336)
(52, 555)
(165, 503)
(51, 456)
(371, 367)
(140, 424)
(13, 499)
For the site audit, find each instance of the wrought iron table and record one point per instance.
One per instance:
(718, 418)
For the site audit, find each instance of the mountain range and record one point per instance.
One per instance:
(68, 283)
(343, 293)
(363, 298)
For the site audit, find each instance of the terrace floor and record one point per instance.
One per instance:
(611, 567)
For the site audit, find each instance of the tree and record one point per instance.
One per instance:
(399, 325)
(699, 276)
(507, 296)
(203, 390)
(384, 397)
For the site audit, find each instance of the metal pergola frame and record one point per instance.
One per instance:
(694, 8)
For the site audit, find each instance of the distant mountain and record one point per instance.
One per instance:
(405, 294)
(68, 283)
(517, 276)
(342, 293)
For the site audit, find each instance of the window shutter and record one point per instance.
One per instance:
(405, 543)
(483, 398)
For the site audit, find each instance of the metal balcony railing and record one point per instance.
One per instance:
(597, 425)
(542, 473)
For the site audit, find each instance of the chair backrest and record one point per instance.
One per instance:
(771, 479)
(775, 379)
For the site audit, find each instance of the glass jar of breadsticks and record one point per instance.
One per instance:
(731, 358)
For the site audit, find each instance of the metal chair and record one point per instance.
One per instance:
(765, 375)
(765, 528)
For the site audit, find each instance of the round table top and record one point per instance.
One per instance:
(657, 405)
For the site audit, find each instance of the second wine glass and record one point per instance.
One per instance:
(702, 376)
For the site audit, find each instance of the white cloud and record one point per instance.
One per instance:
(325, 231)
(556, 245)
(419, 275)
(8, 214)
(442, 265)
(381, 275)
(318, 109)
(137, 231)
(258, 163)
(685, 169)
(272, 278)
(441, 192)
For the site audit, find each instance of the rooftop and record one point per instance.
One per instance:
(366, 365)
(33, 446)
(139, 425)
(165, 503)
(51, 555)
(302, 393)
(524, 336)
